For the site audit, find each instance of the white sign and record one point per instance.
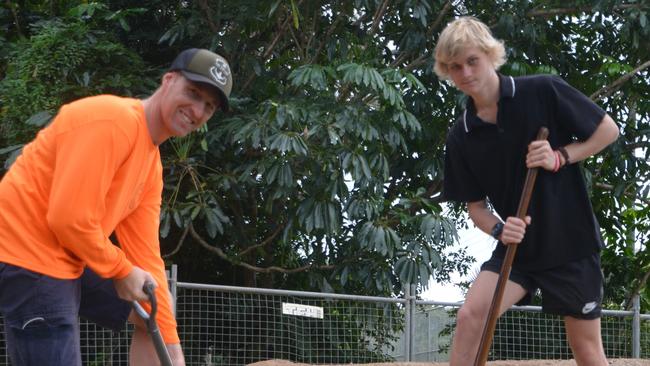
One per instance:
(302, 310)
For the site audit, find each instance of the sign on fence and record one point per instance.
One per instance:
(302, 310)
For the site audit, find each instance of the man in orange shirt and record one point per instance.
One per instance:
(94, 171)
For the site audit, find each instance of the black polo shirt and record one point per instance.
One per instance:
(487, 161)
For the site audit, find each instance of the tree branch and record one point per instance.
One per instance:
(441, 16)
(636, 145)
(417, 62)
(400, 58)
(608, 90)
(203, 4)
(220, 253)
(180, 243)
(314, 29)
(264, 243)
(328, 35)
(16, 19)
(546, 13)
(301, 51)
(610, 188)
(637, 289)
(432, 27)
(379, 14)
(268, 50)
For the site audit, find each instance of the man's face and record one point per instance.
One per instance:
(186, 105)
(470, 70)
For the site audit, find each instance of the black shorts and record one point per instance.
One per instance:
(41, 314)
(573, 289)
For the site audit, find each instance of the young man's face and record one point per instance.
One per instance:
(470, 70)
(186, 105)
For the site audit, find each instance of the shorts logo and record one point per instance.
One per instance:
(220, 71)
(589, 307)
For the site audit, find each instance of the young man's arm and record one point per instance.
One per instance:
(606, 133)
(513, 229)
(540, 153)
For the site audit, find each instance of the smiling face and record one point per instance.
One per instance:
(471, 70)
(185, 105)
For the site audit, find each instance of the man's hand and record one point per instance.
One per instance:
(540, 155)
(130, 287)
(514, 230)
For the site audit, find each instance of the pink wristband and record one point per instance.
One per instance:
(557, 161)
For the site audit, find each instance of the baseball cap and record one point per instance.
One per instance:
(203, 66)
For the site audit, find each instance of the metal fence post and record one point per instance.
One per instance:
(636, 327)
(407, 323)
(173, 288)
(409, 331)
(411, 304)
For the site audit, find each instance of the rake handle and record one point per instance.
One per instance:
(493, 315)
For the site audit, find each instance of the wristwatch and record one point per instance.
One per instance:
(497, 230)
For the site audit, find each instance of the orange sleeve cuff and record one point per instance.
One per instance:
(124, 271)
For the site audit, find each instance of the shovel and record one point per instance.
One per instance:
(152, 327)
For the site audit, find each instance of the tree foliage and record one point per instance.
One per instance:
(327, 173)
(66, 58)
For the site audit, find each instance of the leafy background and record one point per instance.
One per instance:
(326, 174)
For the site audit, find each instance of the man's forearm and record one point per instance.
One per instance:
(482, 216)
(606, 133)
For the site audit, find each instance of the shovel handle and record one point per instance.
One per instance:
(152, 326)
(493, 315)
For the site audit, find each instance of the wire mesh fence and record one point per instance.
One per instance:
(234, 328)
(526, 333)
(100, 346)
(222, 325)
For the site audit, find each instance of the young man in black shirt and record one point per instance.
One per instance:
(488, 152)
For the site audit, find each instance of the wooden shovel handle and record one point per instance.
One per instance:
(493, 315)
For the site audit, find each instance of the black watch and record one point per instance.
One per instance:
(497, 229)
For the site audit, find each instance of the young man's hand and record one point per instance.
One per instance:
(130, 287)
(540, 155)
(514, 230)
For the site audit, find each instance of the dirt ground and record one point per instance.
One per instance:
(613, 362)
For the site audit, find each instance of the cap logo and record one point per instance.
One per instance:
(220, 71)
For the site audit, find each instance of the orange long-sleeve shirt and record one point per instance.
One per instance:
(93, 171)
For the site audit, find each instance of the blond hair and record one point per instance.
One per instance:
(462, 33)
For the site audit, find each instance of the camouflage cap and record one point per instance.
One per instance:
(207, 67)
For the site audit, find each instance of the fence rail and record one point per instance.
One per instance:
(225, 325)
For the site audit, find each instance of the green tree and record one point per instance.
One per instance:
(62, 59)
(332, 163)
(327, 174)
(324, 172)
